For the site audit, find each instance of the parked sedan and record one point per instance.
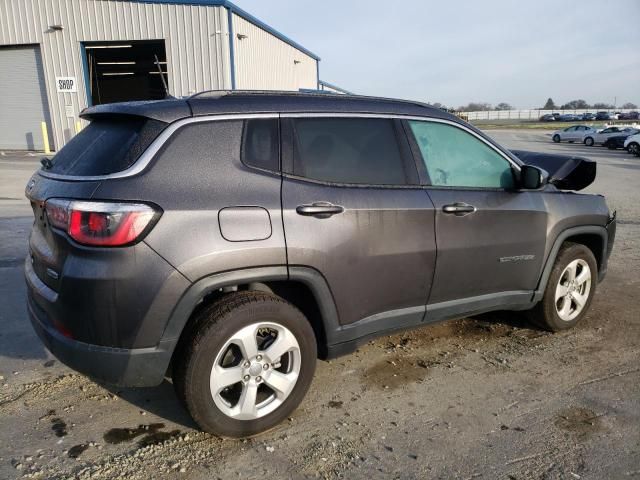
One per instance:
(629, 116)
(599, 137)
(547, 118)
(632, 144)
(603, 116)
(569, 117)
(617, 141)
(588, 116)
(572, 134)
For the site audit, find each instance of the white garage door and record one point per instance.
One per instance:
(23, 98)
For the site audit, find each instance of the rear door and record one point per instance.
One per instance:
(353, 211)
(491, 237)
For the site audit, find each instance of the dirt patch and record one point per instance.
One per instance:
(329, 458)
(581, 422)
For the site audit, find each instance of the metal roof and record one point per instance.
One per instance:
(238, 101)
(242, 13)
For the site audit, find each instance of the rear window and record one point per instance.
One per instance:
(106, 146)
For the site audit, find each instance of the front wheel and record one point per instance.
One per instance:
(570, 289)
(588, 141)
(245, 364)
(633, 148)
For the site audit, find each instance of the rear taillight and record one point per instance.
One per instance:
(103, 224)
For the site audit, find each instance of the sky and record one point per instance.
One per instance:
(458, 51)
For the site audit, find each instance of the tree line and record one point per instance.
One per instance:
(583, 105)
(549, 105)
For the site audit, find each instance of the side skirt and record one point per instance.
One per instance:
(352, 336)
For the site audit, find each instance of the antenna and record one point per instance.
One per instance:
(164, 82)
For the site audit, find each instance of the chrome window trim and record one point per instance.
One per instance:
(168, 132)
(155, 147)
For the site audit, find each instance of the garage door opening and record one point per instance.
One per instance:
(128, 70)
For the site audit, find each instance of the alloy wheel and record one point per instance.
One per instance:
(255, 371)
(572, 291)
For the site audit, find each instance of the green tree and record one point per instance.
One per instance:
(504, 106)
(549, 105)
(575, 104)
(629, 105)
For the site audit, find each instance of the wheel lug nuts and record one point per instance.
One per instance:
(247, 364)
(259, 357)
(246, 378)
(266, 366)
(258, 379)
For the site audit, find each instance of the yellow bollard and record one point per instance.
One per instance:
(45, 138)
(78, 126)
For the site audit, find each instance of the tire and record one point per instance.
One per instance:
(556, 138)
(588, 141)
(610, 146)
(235, 335)
(557, 310)
(633, 148)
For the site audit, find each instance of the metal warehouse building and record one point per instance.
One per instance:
(60, 56)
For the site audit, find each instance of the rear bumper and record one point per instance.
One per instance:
(137, 367)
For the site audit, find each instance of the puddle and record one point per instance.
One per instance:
(76, 450)
(59, 427)
(120, 435)
(582, 422)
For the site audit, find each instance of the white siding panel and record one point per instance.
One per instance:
(196, 41)
(264, 62)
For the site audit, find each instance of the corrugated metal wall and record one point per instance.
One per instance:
(196, 40)
(263, 62)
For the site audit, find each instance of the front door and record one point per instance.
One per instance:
(490, 236)
(353, 211)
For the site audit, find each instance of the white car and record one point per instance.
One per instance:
(600, 136)
(632, 144)
(574, 133)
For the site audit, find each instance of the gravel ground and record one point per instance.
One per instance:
(488, 397)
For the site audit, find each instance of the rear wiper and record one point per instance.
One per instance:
(46, 163)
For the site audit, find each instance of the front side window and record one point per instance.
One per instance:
(455, 158)
(348, 150)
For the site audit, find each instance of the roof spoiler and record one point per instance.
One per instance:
(166, 111)
(565, 172)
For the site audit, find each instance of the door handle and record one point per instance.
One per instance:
(459, 209)
(319, 209)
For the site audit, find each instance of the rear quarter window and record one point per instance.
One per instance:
(106, 146)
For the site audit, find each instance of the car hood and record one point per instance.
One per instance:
(565, 172)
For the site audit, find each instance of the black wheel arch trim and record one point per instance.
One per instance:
(310, 277)
(601, 231)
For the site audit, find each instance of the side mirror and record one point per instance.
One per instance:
(533, 178)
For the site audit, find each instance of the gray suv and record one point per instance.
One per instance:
(231, 238)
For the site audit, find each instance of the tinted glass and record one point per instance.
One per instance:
(348, 150)
(260, 147)
(106, 146)
(456, 158)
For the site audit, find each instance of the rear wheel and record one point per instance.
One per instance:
(569, 290)
(634, 148)
(246, 365)
(556, 138)
(588, 141)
